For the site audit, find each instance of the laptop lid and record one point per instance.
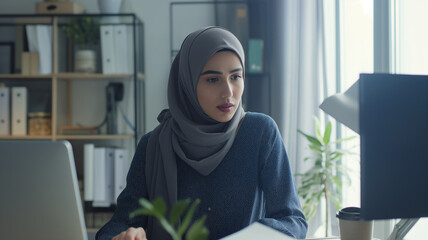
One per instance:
(40, 196)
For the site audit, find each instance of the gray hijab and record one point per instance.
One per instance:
(185, 132)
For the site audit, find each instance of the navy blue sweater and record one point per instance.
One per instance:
(252, 183)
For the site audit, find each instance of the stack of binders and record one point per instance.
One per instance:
(116, 49)
(105, 171)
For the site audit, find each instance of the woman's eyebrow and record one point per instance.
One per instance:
(211, 72)
(218, 72)
(236, 70)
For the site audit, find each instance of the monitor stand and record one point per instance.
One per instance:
(402, 228)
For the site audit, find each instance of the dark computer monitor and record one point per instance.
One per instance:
(394, 146)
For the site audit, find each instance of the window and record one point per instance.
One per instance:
(356, 35)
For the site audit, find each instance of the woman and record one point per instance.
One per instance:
(207, 147)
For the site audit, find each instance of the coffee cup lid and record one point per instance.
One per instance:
(349, 213)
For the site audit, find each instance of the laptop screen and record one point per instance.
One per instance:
(40, 196)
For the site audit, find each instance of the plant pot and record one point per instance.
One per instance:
(109, 6)
(85, 61)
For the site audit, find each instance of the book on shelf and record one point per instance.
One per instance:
(30, 63)
(255, 56)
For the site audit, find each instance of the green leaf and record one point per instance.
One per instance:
(344, 139)
(145, 203)
(337, 182)
(310, 206)
(311, 139)
(164, 223)
(188, 218)
(177, 210)
(139, 212)
(336, 202)
(317, 130)
(303, 192)
(198, 231)
(159, 206)
(316, 149)
(327, 133)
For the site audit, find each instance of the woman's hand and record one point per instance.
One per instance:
(132, 234)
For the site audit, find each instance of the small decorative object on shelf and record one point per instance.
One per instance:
(85, 35)
(40, 123)
(109, 6)
(59, 7)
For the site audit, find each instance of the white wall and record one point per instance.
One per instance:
(155, 15)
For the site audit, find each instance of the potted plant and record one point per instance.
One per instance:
(178, 222)
(324, 178)
(85, 35)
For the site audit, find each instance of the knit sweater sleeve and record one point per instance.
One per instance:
(128, 199)
(283, 210)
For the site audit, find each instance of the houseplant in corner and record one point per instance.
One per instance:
(179, 221)
(85, 35)
(324, 178)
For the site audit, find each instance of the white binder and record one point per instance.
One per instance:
(103, 177)
(110, 175)
(107, 49)
(121, 49)
(4, 111)
(44, 41)
(121, 167)
(19, 111)
(40, 40)
(88, 172)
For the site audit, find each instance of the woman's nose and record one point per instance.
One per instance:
(227, 90)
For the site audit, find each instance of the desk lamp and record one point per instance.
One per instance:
(390, 112)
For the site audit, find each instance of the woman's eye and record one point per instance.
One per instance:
(212, 79)
(236, 77)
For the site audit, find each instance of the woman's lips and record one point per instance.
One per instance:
(227, 107)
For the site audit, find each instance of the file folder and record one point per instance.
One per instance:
(121, 167)
(121, 49)
(88, 172)
(4, 111)
(103, 177)
(19, 111)
(107, 49)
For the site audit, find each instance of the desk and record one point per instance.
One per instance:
(331, 238)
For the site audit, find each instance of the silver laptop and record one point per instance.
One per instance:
(40, 196)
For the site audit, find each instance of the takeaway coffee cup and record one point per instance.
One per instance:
(352, 227)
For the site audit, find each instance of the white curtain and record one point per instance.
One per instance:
(298, 78)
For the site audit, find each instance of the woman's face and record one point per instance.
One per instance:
(220, 86)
